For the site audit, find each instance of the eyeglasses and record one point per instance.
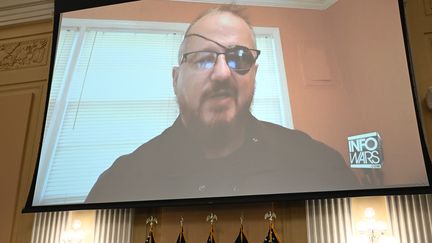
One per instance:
(238, 58)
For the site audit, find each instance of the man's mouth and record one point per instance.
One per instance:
(221, 99)
(221, 94)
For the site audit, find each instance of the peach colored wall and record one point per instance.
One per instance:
(370, 54)
(345, 70)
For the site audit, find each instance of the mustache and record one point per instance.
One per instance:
(220, 89)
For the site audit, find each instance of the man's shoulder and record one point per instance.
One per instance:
(131, 172)
(152, 150)
(156, 145)
(277, 133)
(293, 140)
(311, 156)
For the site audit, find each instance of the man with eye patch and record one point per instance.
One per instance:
(216, 147)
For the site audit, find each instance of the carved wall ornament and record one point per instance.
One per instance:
(24, 54)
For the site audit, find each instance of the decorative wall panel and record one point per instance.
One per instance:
(411, 218)
(328, 220)
(113, 226)
(428, 7)
(48, 227)
(24, 52)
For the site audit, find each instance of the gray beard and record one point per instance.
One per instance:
(192, 120)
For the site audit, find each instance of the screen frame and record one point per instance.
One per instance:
(62, 6)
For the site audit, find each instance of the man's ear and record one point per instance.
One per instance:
(256, 67)
(174, 74)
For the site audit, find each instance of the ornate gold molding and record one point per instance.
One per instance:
(25, 11)
(24, 53)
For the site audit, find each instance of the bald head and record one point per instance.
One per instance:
(226, 16)
(233, 9)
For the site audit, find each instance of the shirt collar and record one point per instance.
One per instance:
(253, 133)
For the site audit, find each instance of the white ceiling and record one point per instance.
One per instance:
(305, 4)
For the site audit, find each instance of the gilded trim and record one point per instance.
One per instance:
(24, 53)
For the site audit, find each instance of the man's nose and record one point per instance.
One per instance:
(221, 71)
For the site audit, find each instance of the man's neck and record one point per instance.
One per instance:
(218, 142)
(222, 142)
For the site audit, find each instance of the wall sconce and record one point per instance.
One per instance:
(74, 235)
(372, 230)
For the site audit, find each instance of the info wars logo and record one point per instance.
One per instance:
(365, 151)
